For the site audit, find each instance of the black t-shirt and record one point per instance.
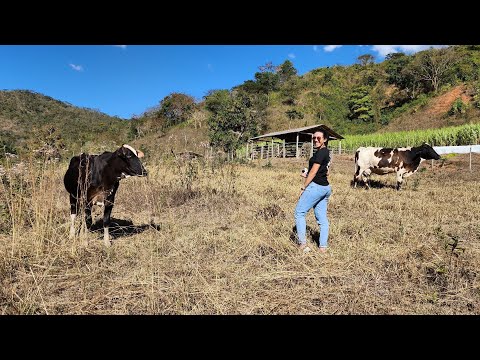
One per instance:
(322, 157)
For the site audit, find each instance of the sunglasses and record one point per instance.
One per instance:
(315, 138)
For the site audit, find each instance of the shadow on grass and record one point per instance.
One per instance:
(119, 228)
(313, 234)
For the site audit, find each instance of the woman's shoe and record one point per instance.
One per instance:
(305, 248)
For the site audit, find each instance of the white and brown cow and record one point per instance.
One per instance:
(381, 161)
(94, 180)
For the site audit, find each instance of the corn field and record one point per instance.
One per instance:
(449, 136)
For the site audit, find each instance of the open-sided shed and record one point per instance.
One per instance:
(287, 143)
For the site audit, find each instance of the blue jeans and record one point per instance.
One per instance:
(315, 196)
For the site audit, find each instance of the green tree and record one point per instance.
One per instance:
(468, 64)
(286, 71)
(395, 65)
(176, 108)
(365, 59)
(215, 100)
(290, 90)
(360, 105)
(238, 118)
(458, 107)
(434, 67)
(294, 114)
(267, 81)
(249, 86)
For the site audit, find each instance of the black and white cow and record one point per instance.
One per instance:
(403, 161)
(94, 180)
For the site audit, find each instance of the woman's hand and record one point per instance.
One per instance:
(301, 192)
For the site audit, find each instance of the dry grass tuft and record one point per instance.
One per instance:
(217, 238)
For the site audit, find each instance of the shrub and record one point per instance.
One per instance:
(458, 107)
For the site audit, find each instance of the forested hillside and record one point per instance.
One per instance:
(435, 88)
(29, 121)
(430, 89)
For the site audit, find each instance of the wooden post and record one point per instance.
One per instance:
(470, 159)
(339, 147)
(296, 148)
(246, 153)
(268, 150)
(311, 147)
(261, 153)
(284, 148)
(273, 154)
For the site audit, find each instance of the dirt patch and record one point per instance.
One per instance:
(434, 114)
(442, 104)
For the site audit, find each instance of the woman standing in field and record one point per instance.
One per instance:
(315, 193)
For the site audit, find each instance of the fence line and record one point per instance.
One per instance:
(305, 150)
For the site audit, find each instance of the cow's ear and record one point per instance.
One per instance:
(140, 154)
(122, 151)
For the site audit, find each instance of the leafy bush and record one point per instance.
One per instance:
(294, 114)
(458, 107)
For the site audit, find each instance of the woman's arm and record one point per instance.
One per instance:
(311, 175)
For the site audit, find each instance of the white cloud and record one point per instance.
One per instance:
(291, 56)
(383, 50)
(121, 46)
(330, 48)
(76, 67)
(315, 48)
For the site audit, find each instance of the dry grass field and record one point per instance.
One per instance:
(213, 238)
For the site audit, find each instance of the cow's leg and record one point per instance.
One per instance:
(357, 170)
(399, 180)
(355, 176)
(109, 201)
(73, 215)
(360, 175)
(366, 179)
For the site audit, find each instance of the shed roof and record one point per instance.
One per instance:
(305, 133)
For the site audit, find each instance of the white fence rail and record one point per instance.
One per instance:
(441, 150)
(465, 149)
(304, 150)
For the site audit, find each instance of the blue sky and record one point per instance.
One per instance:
(126, 80)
